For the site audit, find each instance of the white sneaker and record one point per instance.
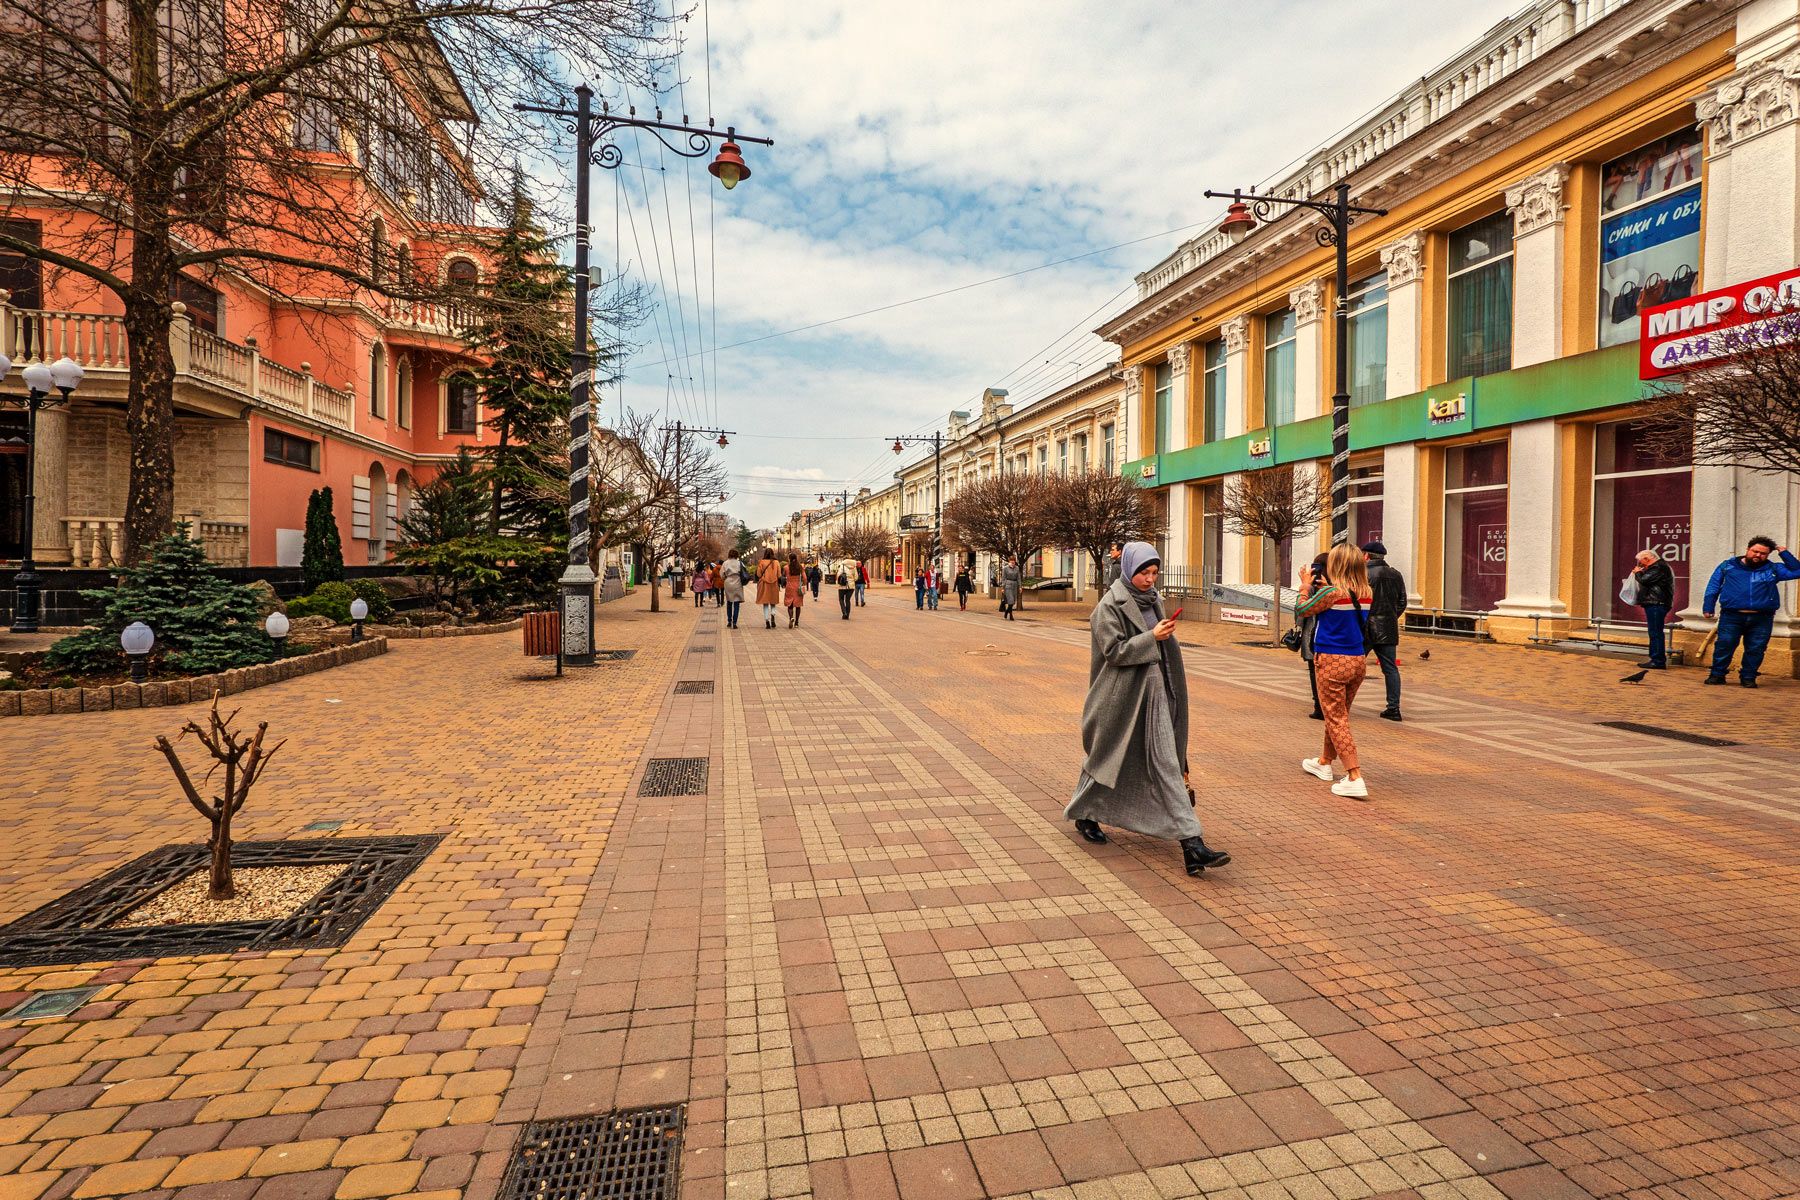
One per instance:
(1314, 767)
(1356, 789)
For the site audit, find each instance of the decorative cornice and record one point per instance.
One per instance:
(1404, 260)
(1537, 202)
(1308, 301)
(1759, 98)
(1236, 333)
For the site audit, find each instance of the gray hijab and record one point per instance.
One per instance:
(1132, 559)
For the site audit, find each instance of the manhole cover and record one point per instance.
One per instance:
(988, 651)
(1674, 735)
(694, 687)
(50, 1004)
(674, 777)
(620, 1156)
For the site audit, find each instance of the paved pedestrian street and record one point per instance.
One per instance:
(1549, 959)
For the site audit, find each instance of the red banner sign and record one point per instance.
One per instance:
(1680, 335)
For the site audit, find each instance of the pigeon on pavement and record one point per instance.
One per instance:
(1635, 678)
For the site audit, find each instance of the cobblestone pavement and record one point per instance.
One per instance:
(1549, 959)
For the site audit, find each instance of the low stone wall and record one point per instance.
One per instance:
(39, 702)
(442, 631)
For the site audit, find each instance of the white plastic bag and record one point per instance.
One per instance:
(1628, 591)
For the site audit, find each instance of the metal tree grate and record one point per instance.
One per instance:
(613, 655)
(619, 1156)
(694, 687)
(674, 777)
(76, 928)
(1674, 735)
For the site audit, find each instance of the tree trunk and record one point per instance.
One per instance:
(499, 461)
(149, 420)
(221, 885)
(655, 593)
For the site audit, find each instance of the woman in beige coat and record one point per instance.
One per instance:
(768, 586)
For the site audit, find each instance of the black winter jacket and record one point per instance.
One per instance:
(1656, 584)
(1389, 604)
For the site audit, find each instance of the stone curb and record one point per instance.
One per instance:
(43, 701)
(410, 632)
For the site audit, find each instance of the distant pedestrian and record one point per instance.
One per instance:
(1312, 577)
(702, 580)
(1009, 586)
(933, 577)
(1746, 591)
(1340, 661)
(846, 587)
(1655, 592)
(1112, 564)
(1134, 725)
(796, 590)
(963, 585)
(768, 586)
(1385, 612)
(813, 577)
(862, 584)
(919, 589)
(731, 584)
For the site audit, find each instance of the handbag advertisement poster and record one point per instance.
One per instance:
(1649, 232)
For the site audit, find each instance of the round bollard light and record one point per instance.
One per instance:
(137, 641)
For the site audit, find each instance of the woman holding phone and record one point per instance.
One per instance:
(1340, 661)
(1134, 725)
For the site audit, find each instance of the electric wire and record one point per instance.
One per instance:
(638, 245)
(671, 342)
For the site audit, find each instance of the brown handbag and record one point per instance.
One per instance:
(1653, 291)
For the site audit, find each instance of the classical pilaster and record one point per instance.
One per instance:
(1538, 208)
(1180, 355)
(1404, 262)
(1236, 333)
(1534, 524)
(1179, 548)
(1308, 303)
(1129, 415)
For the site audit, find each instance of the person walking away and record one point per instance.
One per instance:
(731, 584)
(814, 576)
(846, 586)
(932, 575)
(1655, 593)
(963, 585)
(697, 585)
(1009, 586)
(1385, 610)
(1312, 577)
(796, 590)
(1746, 592)
(862, 585)
(919, 589)
(1340, 661)
(1134, 724)
(768, 586)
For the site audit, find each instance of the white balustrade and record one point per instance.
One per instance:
(95, 541)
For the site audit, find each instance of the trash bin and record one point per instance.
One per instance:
(543, 633)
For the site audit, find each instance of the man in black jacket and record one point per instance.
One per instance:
(1385, 611)
(1655, 593)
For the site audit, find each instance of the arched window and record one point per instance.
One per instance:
(378, 249)
(377, 379)
(403, 265)
(403, 494)
(462, 275)
(378, 513)
(459, 405)
(403, 385)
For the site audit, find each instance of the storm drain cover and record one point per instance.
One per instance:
(694, 687)
(632, 1155)
(59, 1003)
(701, 649)
(674, 777)
(1674, 735)
(613, 655)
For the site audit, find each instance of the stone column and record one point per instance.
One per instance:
(1404, 262)
(1308, 303)
(1236, 333)
(50, 481)
(1179, 550)
(1400, 513)
(1537, 209)
(1533, 526)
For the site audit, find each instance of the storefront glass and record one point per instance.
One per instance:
(1212, 527)
(1641, 502)
(1365, 505)
(1649, 232)
(1475, 527)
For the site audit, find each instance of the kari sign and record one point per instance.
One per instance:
(1492, 541)
(1684, 334)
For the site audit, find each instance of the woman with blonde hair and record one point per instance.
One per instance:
(1340, 660)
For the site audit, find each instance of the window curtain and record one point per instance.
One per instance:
(1368, 356)
(1481, 307)
(1278, 384)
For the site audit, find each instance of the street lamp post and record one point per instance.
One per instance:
(936, 442)
(591, 149)
(681, 430)
(1338, 213)
(63, 375)
(844, 498)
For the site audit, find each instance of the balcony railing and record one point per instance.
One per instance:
(100, 541)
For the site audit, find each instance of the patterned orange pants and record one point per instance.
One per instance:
(1339, 676)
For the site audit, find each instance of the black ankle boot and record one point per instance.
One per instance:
(1198, 857)
(1091, 831)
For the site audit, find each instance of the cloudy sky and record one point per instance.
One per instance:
(930, 145)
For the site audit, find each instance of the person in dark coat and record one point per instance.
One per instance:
(919, 588)
(1655, 593)
(1009, 587)
(1112, 564)
(846, 586)
(963, 586)
(1134, 725)
(813, 577)
(1385, 611)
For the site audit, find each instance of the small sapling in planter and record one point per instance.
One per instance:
(244, 760)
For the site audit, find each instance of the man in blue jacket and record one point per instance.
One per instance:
(1746, 594)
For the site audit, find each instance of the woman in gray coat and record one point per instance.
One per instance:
(1134, 725)
(733, 574)
(1009, 587)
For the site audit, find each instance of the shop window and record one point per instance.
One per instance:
(1475, 526)
(1641, 502)
(1278, 367)
(1365, 504)
(1649, 232)
(1481, 300)
(459, 415)
(1164, 381)
(1368, 339)
(1212, 416)
(290, 451)
(1212, 531)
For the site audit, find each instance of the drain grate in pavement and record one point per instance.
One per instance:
(59, 1003)
(674, 777)
(694, 687)
(1674, 735)
(619, 1156)
(613, 655)
(701, 649)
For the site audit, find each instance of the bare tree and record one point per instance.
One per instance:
(1094, 511)
(1742, 408)
(645, 474)
(244, 760)
(1002, 514)
(862, 541)
(172, 141)
(1277, 504)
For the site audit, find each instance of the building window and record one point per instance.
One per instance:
(462, 275)
(290, 451)
(203, 306)
(1641, 502)
(1649, 232)
(1278, 367)
(403, 387)
(1365, 504)
(21, 274)
(377, 379)
(378, 249)
(1043, 461)
(1368, 339)
(1062, 456)
(1107, 451)
(459, 405)
(1164, 377)
(1212, 417)
(1481, 300)
(1475, 527)
(1081, 453)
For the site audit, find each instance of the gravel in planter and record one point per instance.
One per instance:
(263, 894)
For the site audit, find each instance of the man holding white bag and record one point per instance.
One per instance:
(1651, 586)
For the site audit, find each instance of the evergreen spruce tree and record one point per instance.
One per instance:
(322, 555)
(519, 334)
(203, 622)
